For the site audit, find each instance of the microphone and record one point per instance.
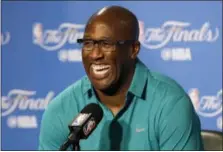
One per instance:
(83, 125)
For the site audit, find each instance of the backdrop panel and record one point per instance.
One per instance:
(40, 57)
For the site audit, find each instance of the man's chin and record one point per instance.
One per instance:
(101, 86)
(106, 88)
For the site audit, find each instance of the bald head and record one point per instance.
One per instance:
(115, 30)
(122, 21)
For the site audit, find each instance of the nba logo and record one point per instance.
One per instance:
(194, 95)
(38, 33)
(141, 31)
(89, 127)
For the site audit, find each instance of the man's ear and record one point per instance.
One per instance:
(135, 50)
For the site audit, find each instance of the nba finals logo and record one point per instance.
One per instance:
(19, 107)
(62, 40)
(165, 37)
(208, 105)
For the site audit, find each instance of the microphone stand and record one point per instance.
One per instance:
(76, 146)
(65, 145)
(72, 139)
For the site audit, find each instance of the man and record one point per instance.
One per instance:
(142, 110)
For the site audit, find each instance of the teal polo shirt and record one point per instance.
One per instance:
(157, 115)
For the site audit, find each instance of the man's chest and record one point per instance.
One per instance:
(123, 134)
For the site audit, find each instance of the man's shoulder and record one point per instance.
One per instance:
(165, 87)
(166, 81)
(69, 94)
(165, 93)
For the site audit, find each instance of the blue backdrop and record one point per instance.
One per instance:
(40, 57)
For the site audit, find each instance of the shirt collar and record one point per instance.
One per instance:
(139, 79)
(138, 82)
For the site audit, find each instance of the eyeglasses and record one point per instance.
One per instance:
(104, 45)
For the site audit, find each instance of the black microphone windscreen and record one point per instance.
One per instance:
(95, 110)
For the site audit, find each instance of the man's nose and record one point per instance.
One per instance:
(96, 53)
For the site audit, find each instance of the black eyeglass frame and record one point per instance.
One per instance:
(120, 42)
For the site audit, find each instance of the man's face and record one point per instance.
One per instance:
(104, 68)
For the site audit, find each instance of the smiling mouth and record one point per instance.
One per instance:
(100, 70)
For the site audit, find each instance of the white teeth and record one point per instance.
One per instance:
(100, 72)
(100, 69)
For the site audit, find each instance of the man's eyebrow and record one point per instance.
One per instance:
(86, 36)
(101, 38)
(106, 38)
